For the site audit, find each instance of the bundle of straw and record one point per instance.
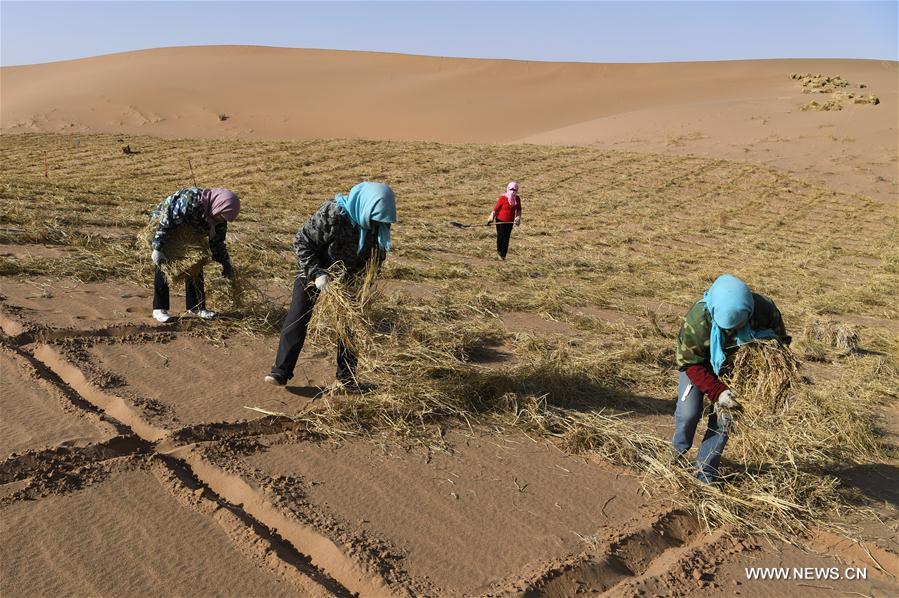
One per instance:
(186, 250)
(762, 375)
(343, 313)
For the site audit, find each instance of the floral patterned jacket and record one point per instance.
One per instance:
(184, 207)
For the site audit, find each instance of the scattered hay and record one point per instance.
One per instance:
(833, 85)
(840, 96)
(822, 339)
(186, 251)
(777, 476)
(818, 83)
(786, 444)
(866, 99)
(828, 106)
(233, 294)
(245, 306)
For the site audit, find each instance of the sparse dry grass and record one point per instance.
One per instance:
(643, 235)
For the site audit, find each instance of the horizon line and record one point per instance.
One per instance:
(435, 56)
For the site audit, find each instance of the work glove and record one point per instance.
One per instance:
(518, 221)
(322, 282)
(157, 256)
(489, 222)
(726, 400)
(227, 270)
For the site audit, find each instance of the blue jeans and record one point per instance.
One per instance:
(686, 417)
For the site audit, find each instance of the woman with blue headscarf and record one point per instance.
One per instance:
(728, 315)
(352, 229)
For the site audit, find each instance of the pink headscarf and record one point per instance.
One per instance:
(512, 193)
(219, 202)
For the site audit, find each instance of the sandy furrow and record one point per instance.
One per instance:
(11, 328)
(257, 543)
(114, 406)
(323, 553)
(615, 562)
(48, 461)
(676, 568)
(24, 333)
(66, 397)
(219, 431)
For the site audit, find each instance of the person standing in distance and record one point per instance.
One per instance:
(506, 213)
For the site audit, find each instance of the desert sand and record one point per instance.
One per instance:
(735, 110)
(131, 464)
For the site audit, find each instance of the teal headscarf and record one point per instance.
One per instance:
(729, 301)
(370, 205)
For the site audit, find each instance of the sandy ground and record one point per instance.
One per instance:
(743, 110)
(116, 482)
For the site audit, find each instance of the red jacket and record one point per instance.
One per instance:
(505, 212)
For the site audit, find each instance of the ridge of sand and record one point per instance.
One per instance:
(297, 93)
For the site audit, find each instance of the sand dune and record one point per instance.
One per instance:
(293, 93)
(733, 109)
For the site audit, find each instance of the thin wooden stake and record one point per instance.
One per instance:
(191, 166)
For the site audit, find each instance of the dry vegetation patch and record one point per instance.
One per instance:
(835, 86)
(612, 230)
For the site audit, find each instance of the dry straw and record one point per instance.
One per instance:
(420, 361)
(186, 251)
(764, 372)
(342, 314)
(823, 338)
(778, 480)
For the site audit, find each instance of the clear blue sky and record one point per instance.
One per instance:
(35, 32)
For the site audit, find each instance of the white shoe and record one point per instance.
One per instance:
(163, 316)
(202, 313)
(274, 380)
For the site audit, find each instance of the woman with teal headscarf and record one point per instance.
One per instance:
(352, 229)
(728, 315)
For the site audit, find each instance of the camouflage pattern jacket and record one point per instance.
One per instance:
(695, 332)
(329, 236)
(184, 207)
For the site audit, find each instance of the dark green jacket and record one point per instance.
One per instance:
(695, 332)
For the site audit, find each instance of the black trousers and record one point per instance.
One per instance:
(293, 335)
(503, 233)
(194, 292)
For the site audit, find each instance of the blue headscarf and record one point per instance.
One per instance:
(370, 205)
(729, 301)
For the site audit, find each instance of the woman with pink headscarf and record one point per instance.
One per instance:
(506, 213)
(205, 209)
